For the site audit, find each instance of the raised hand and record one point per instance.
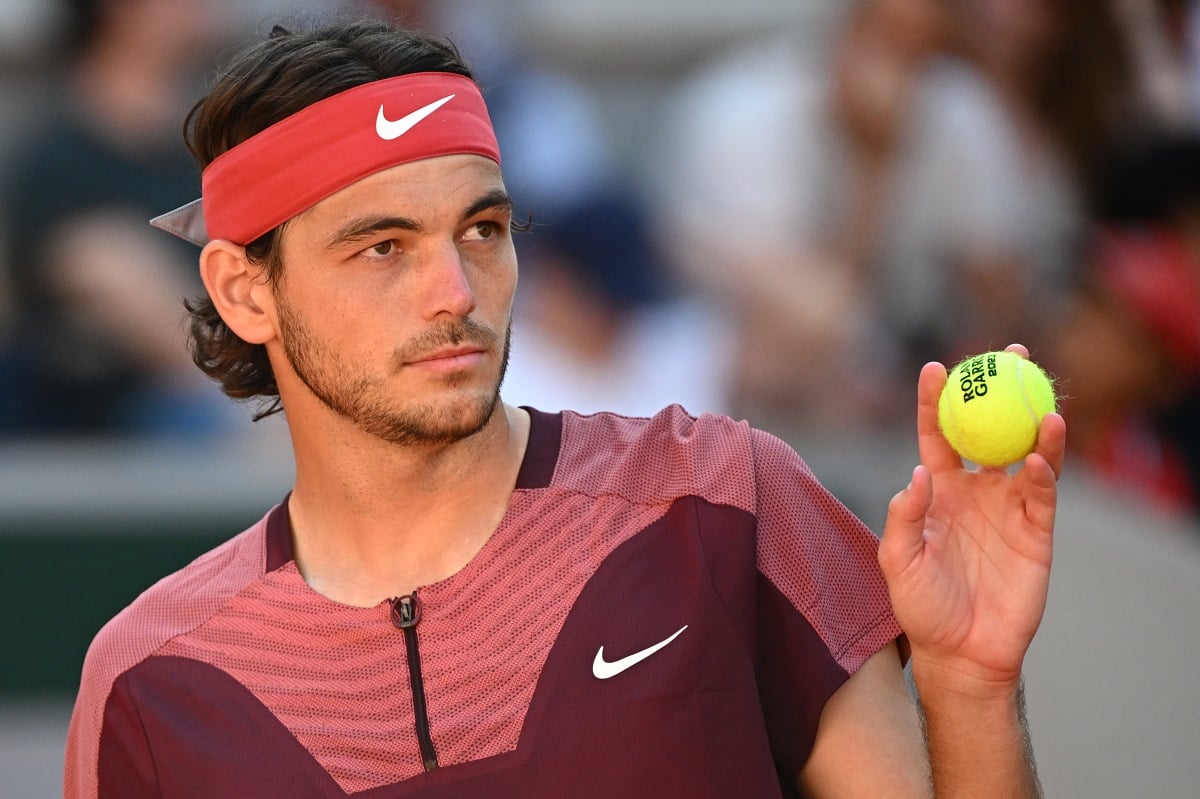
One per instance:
(967, 553)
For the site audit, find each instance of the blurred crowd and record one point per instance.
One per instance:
(804, 216)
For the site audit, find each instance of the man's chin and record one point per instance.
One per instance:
(434, 424)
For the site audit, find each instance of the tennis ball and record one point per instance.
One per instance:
(992, 405)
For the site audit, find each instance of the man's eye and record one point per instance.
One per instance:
(383, 248)
(483, 230)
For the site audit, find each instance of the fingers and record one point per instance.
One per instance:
(1037, 480)
(904, 528)
(1052, 431)
(935, 451)
(1041, 471)
(1052, 442)
(1019, 349)
(1040, 490)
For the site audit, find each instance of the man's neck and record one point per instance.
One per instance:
(372, 520)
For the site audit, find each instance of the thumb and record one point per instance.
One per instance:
(904, 530)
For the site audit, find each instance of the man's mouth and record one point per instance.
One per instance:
(451, 359)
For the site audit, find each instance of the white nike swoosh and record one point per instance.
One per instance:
(602, 669)
(393, 129)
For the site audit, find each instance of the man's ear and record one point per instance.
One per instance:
(239, 290)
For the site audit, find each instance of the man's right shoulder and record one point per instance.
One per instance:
(660, 458)
(176, 604)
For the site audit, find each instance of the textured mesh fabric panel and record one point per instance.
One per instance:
(333, 674)
(669, 456)
(829, 572)
(337, 676)
(173, 605)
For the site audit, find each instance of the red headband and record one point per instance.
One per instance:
(289, 167)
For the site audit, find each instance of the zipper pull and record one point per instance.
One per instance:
(406, 614)
(406, 611)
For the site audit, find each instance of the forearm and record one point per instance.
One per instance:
(978, 740)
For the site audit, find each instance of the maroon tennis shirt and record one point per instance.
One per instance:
(664, 610)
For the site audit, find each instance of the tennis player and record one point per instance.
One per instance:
(463, 598)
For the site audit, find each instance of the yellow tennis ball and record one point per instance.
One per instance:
(992, 405)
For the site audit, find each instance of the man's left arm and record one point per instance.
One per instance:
(869, 741)
(966, 554)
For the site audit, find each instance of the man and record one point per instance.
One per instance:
(464, 598)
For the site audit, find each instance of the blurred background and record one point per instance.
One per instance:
(772, 209)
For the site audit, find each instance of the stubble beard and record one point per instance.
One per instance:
(363, 399)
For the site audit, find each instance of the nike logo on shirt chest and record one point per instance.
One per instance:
(603, 669)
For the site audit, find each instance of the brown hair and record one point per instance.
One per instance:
(262, 85)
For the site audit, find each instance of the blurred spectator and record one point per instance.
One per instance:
(595, 328)
(821, 192)
(950, 211)
(1127, 348)
(1164, 57)
(97, 292)
(1074, 75)
(742, 185)
(918, 191)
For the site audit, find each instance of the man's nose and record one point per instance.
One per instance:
(448, 287)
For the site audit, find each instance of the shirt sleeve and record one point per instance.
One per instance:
(822, 604)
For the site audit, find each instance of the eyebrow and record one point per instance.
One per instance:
(496, 198)
(365, 227)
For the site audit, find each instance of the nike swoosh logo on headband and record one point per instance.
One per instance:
(393, 129)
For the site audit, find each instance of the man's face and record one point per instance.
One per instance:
(395, 300)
